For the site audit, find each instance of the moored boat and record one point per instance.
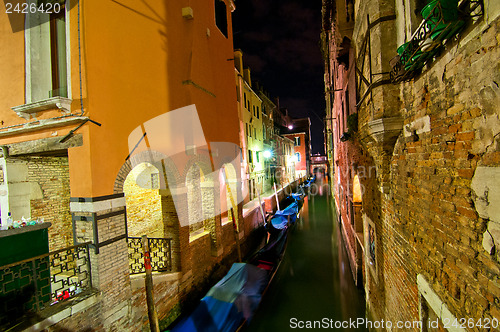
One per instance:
(233, 300)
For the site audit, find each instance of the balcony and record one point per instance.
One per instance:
(443, 21)
(36, 288)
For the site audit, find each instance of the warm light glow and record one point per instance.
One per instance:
(290, 127)
(295, 159)
(267, 154)
(356, 190)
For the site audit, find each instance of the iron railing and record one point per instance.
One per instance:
(160, 251)
(32, 286)
(427, 40)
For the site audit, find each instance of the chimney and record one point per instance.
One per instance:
(246, 76)
(238, 60)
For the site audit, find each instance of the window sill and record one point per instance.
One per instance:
(27, 111)
(198, 235)
(41, 124)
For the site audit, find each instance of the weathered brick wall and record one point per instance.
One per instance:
(143, 211)
(144, 216)
(166, 297)
(86, 320)
(426, 223)
(435, 223)
(49, 179)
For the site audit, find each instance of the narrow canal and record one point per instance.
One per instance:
(314, 282)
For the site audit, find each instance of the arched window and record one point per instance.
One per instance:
(356, 190)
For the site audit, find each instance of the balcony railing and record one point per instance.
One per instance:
(441, 24)
(37, 286)
(160, 251)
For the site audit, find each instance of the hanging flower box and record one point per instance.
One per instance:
(442, 21)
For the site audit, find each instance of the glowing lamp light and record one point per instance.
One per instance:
(290, 127)
(356, 197)
(295, 159)
(267, 154)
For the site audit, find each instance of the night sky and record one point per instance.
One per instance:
(280, 40)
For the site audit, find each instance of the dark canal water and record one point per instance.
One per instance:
(314, 282)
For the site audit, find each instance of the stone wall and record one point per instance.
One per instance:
(429, 202)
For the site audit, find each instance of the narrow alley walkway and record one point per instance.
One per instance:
(314, 282)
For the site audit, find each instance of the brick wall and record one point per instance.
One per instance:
(49, 179)
(426, 222)
(122, 303)
(143, 204)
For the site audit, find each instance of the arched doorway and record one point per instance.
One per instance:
(201, 198)
(143, 201)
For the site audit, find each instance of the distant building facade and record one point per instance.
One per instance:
(299, 131)
(319, 164)
(251, 129)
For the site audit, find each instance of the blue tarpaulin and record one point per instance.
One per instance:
(280, 218)
(233, 299)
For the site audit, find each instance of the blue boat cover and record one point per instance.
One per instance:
(280, 218)
(234, 298)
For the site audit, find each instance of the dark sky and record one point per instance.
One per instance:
(280, 44)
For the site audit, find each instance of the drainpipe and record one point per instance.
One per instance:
(5, 151)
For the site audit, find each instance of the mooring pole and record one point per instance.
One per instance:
(152, 315)
(260, 206)
(235, 221)
(276, 194)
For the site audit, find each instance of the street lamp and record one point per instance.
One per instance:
(267, 154)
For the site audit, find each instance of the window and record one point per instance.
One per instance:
(257, 156)
(297, 141)
(411, 17)
(246, 129)
(257, 112)
(245, 99)
(250, 159)
(297, 155)
(58, 54)
(46, 65)
(155, 180)
(221, 16)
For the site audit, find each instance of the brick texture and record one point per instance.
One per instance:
(51, 176)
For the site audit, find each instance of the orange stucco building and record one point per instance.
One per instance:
(84, 94)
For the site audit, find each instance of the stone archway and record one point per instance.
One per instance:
(202, 194)
(151, 174)
(143, 202)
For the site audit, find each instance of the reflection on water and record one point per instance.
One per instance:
(314, 282)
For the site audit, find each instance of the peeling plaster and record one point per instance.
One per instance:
(486, 194)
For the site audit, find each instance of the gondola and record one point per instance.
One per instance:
(231, 303)
(286, 217)
(304, 187)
